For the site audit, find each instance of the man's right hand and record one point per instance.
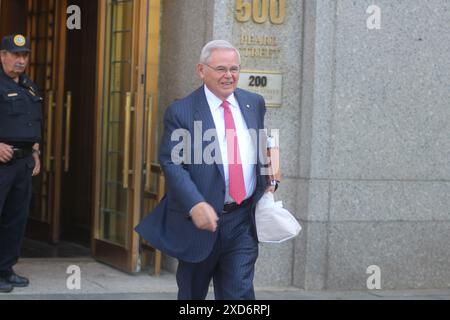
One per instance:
(6, 152)
(204, 216)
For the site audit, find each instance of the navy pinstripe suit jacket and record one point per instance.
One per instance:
(168, 227)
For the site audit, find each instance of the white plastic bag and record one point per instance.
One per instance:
(274, 224)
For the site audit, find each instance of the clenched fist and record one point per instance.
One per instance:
(6, 152)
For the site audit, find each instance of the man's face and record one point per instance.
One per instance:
(221, 83)
(14, 63)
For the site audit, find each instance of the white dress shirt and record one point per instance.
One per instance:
(246, 147)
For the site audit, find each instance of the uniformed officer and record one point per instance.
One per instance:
(20, 134)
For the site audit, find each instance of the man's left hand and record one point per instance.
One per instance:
(37, 167)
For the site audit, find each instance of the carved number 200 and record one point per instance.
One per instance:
(257, 81)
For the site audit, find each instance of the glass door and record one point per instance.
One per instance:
(154, 184)
(124, 108)
(46, 30)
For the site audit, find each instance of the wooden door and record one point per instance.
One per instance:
(126, 102)
(45, 27)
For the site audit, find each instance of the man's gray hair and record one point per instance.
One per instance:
(216, 45)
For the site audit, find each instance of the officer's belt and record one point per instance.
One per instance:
(20, 153)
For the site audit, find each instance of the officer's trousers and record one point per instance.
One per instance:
(15, 196)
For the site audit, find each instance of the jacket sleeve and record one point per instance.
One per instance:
(178, 179)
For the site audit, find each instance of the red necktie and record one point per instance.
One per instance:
(235, 172)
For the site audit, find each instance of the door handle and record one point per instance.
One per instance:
(67, 142)
(126, 156)
(148, 149)
(48, 146)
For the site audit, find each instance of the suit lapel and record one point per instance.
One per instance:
(247, 109)
(203, 114)
(249, 112)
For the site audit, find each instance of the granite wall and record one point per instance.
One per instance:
(363, 132)
(375, 153)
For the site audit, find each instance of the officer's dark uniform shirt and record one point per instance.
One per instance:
(20, 110)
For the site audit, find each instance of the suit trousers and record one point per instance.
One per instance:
(15, 196)
(231, 263)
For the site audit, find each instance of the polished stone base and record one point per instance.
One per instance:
(409, 255)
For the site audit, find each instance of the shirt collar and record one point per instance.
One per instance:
(214, 102)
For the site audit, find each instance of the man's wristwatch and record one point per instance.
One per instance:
(274, 183)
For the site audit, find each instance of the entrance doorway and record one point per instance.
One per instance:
(80, 81)
(62, 64)
(99, 84)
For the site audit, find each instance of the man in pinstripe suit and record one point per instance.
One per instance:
(206, 219)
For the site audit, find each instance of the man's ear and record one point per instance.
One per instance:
(201, 70)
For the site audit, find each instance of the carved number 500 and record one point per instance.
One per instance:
(261, 10)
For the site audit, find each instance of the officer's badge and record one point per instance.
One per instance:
(19, 40)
